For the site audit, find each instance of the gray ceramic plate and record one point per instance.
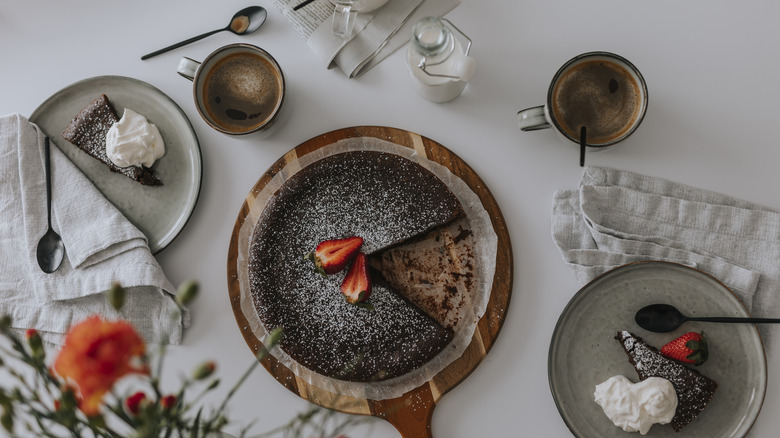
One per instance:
(159, 212)
(584, 353)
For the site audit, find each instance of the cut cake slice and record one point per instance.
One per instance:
(694, 391)
(88, 131)
(436, 272)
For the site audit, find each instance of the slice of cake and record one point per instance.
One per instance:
(88, 131)
(383, 198)
(693, 390)
(435, 272)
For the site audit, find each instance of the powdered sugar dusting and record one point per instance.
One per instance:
(381, 197)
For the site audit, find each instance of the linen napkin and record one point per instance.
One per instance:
(377, 34)
(616, 217)
(101, 247)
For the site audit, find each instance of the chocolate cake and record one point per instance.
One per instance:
(693, 390)
(88, 131)
(383, 198)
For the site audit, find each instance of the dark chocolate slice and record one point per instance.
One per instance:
(693, 389)
(88, 131)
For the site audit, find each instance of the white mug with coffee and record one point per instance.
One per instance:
(238, 89)
(599, 91)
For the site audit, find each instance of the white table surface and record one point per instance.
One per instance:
(711, 68)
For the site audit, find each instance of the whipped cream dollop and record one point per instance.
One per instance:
(133, 141)
(635, 407)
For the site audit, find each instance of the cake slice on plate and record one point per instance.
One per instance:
(88, 131)
(694, 391)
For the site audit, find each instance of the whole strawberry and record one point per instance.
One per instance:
(688, 348)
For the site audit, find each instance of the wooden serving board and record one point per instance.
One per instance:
(410, 413)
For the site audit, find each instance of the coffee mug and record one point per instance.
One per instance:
(238, 89)
(600, 91)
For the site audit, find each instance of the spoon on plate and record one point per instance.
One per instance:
(663, 318)
(50, 248)
(243, 22)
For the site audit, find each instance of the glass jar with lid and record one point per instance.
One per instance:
(439, 62)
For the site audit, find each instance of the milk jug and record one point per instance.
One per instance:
(438, 62)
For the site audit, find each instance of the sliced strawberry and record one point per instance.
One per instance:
(356, 286)
(688, 348)
(331, 256)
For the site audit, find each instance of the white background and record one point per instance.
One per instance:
(712, 71)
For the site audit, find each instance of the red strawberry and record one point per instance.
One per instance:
(356, 286)
(331, 256)
(688, 348)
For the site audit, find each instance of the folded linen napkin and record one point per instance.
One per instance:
(377, 34)
(617, 217)
(101, 247)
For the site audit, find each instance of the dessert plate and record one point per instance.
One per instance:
(411, 412)
(584, 353)
(159, 212)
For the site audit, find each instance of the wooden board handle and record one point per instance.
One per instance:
(410, 414)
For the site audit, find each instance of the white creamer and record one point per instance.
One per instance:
(437, 61)
(133, 141)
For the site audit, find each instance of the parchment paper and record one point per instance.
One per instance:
(485, 255)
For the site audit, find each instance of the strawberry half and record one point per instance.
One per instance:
(688, 348)
(356, 286)
(331, 256)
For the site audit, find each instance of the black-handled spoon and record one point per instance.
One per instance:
(663, 318)
(243, 22)
(50, 249)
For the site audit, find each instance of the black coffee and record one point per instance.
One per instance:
(599, 94)
(242, 91)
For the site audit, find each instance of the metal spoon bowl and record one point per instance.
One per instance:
(51, 250)
(243, 22)
(664, 318)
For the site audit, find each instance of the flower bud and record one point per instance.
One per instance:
(7, 420)
(116, 296)
(187, 292)
(274, 337)
(5, 322)
(35, 342)
(168, 402)
(133, 403)
(204, 370)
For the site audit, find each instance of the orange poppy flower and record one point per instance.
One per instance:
(96, 354)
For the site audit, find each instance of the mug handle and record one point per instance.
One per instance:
(532, 119)
(344, 18)
(187, 68)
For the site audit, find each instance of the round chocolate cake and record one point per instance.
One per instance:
(386, 200)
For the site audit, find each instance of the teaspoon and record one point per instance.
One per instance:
(663, 318)
(50, 248)
(243, 22)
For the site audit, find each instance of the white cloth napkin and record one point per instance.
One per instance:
(617, 217)
(101, 247)
(377, 34)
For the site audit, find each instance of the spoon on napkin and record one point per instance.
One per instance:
(50, 249)
(663, 318)
(243, 22)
